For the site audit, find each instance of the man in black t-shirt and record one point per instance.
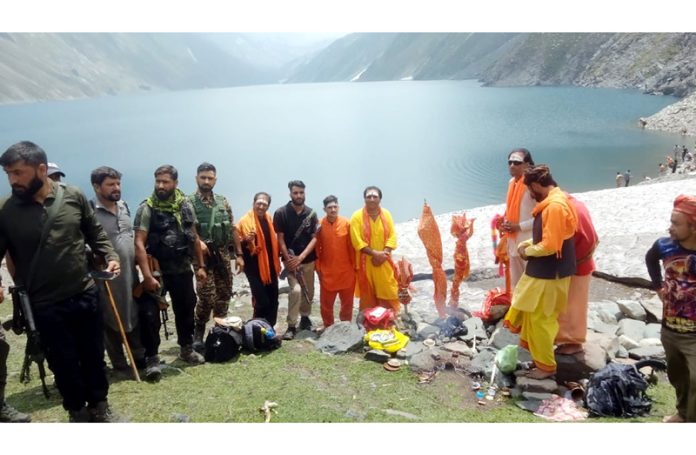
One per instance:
(296, 225)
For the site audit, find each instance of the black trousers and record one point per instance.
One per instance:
(72, 337)
(4, 352)
(265, 298)
(149, 323)
(180, 288)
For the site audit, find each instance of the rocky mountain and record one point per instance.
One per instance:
(47, 66)
(660, 63)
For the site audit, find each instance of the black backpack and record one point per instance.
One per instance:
(618, 390)
(222, 344)
(260, 336)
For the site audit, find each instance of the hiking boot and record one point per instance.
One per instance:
(198, 344)
(8, 414)
(102, 413)
(676, 418)
(188, 355)
(81, 416)
(153, 370)
(305, 323)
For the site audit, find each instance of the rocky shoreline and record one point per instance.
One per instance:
(679, 117)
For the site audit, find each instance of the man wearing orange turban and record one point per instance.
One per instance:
(678, 294)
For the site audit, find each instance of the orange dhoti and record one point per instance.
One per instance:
(573, 321)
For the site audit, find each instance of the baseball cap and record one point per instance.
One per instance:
(54, 169)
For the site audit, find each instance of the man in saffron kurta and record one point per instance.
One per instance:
(519, 204)
(542, 292)
(335, 263)
(373, 236)
(573, 321)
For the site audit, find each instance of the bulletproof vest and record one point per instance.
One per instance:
(165, 240)
(213, 223)
(551, 267)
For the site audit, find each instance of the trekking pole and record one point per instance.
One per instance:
(123, 332)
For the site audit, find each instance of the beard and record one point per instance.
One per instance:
(27, 193)
(114, 197)
(298, 201)
(163, 195)
(205, 188)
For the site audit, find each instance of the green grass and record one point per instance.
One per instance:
(308, 386)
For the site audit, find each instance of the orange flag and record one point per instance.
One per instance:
(429, 234)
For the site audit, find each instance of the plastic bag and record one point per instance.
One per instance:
(386, 340)
(453, 327)
(506, 359)
(617, 390)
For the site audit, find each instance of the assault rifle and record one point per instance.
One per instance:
(215, 261)
(23, 321)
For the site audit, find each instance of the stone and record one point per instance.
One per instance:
(622, 353)
(459, 347)
(475, 328)
(650, 342)
(628, 343)
(595, 324)
(412, 348)
(529, 405)
(652, 331)
(632, 309)
(541, 396)
(580, 365)
(608, 306)
(607, 316)
(653, 307)
(405, 415)
(340, 338)
(632, 328)
(482, 363)
(523, 355)
(503, 337)
(647, 352)
(609, 343)
(377, 355)
(537, 385)
(423, 361)
(425, 330)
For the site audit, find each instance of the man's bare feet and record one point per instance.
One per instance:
(536, 373)
(569, 349)
(675, 418)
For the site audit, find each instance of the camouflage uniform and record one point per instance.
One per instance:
(215, 293)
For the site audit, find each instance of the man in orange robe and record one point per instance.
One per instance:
(335, 263)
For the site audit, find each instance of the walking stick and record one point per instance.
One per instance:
(123, 332)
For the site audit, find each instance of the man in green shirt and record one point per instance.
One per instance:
(50, 263)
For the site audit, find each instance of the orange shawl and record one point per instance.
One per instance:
(367, 294)
(516, 190)
(250, 223)
(559, 220)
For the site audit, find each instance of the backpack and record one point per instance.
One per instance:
(258, 335)
(222, 344)
(617, 390)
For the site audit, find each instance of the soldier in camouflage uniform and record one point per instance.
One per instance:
(221, 245)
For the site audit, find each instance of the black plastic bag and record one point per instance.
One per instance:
(617, 390)
(453, 327)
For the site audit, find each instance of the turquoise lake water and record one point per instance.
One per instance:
(444, 141)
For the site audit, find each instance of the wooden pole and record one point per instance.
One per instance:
(123, 332)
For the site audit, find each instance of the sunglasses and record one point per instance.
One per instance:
(515, 163)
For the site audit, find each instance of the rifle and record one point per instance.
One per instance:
(215, 261)
(23, 321)
(299, 276)
(163, 305)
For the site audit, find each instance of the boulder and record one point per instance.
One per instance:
(628, 343)
(523, 355)
(653, 307)
(647, 352)
(503, 337)
(529, 405)
(475, 328)
(541, 396)
(411, 349)
(424, 360)
(459, 347)
(580, 365)
(596, 324)
(425, 330)
(632, 328)
(607, 316)
(650, 342)
(482, 363)
(377, 355)
(608, 306)
(652, 331)
(536, 385)
(622, 353)
(609, 343)
(340, 338)
(632, 309)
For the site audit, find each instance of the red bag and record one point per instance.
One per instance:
(495, 306)
(378, 318)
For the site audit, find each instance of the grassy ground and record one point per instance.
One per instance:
(307, 386)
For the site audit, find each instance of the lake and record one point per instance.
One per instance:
(441, 141)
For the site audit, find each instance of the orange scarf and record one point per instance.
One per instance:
(368, 299)
(559, 222)
(516, 190)
(250, 223)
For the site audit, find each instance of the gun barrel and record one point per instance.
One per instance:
(26, 310)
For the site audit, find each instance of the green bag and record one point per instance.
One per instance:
(506, 359)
